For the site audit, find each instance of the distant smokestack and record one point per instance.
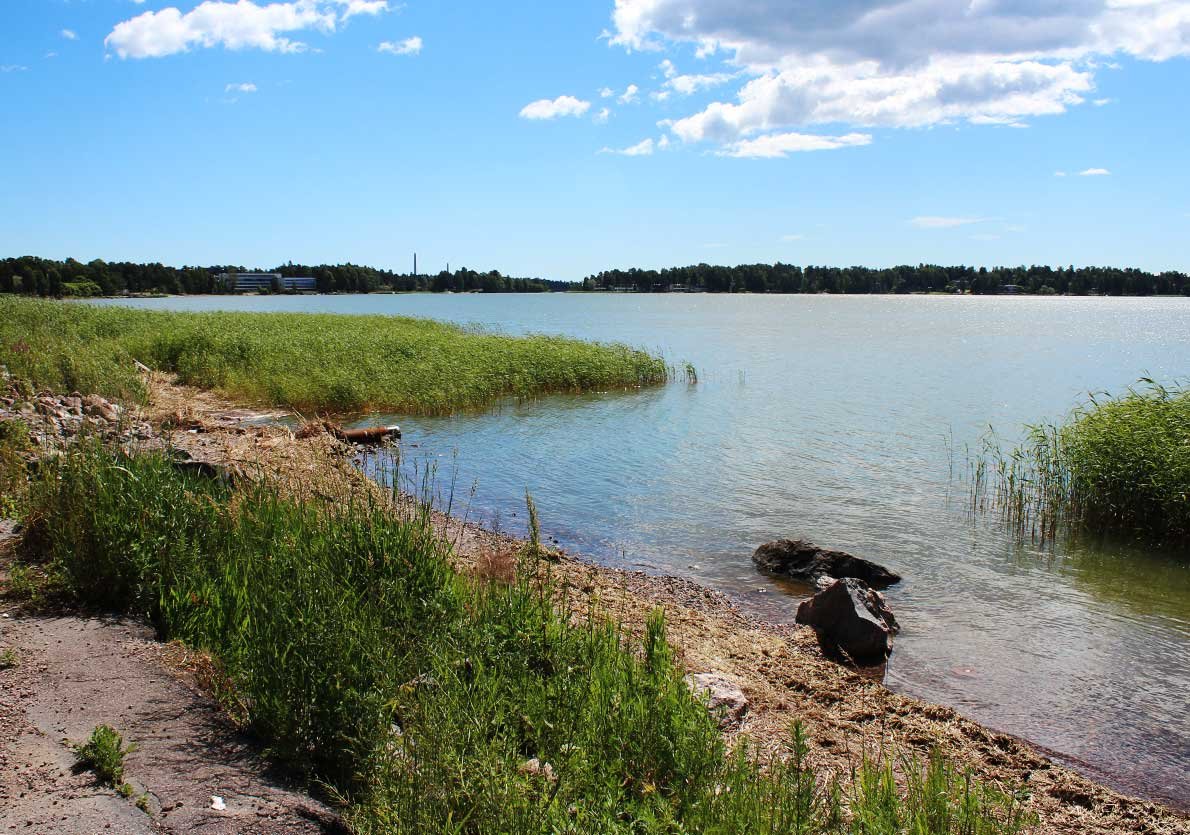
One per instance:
(415, 265)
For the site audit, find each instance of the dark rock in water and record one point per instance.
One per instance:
(801, 560)
(851, 617)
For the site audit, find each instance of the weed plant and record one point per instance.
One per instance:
(310, 362)
(432, 703)
(104, 754)
(1117, 465)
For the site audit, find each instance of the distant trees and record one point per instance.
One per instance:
(924, 278)
(44, 277)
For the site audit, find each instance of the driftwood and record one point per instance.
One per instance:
(364, 435)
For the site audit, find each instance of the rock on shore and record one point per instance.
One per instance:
(851, 617)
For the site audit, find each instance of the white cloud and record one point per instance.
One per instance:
(938, 222)
(659, 95)
(897, 63)
(1094, 172)
(602, 116)
(409, 46)
(233, 25)
(1102, 102)
(630, 94)
(643, 148)
(13, 68)
(70, 34)
(553, 108)
(1059, 173)
(777, 145)
(606, 92)
(247, 87)
(51, 54)
(791, 238)
(688, 84)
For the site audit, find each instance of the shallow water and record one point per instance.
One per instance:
(840, 420)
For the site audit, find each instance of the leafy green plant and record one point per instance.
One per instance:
(9, 659)
(103, 753)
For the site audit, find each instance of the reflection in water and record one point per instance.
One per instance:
(833, 419)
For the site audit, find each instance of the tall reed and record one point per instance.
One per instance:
(1115, 465)
(315, 362)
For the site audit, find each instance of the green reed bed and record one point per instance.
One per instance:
(429, 702)
(1116, 465)
(316, 362)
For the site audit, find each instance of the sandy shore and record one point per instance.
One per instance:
(780, 669)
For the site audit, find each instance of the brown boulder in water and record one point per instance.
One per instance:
(797, 559)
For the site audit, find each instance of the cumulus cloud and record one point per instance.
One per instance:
(409, 46)
(247, 87)
(602, 116)
(777, 145)
(242, 24)
(606, 92)
(70, 34)
(554, 108)
(630, 94)
(940, 222)
(896, 63)
(1094, 172)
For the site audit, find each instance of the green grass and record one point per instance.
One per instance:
(314, 362)
(422, 698)
(104, 754)
(1117, 465)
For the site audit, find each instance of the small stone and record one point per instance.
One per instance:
(723, 696)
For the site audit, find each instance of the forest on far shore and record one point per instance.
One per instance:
(34, 276)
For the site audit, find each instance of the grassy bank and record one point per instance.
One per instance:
(312, 362)
(436, 703)
(1117, 465)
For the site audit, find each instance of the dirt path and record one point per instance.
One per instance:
(74, 673)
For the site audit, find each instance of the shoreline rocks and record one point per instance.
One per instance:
(797, 559)
(852, 618)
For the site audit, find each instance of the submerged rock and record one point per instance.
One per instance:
(724, 697)
(851, 617)
(801, 560)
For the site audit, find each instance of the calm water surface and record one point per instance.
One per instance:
(838, 419)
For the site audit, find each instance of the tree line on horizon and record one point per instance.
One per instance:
(30, 275)
(34, 276)
(924, 278)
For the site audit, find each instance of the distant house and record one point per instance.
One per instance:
(1009, 289)
(257, 282)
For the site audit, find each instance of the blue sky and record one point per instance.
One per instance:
(495, 135)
